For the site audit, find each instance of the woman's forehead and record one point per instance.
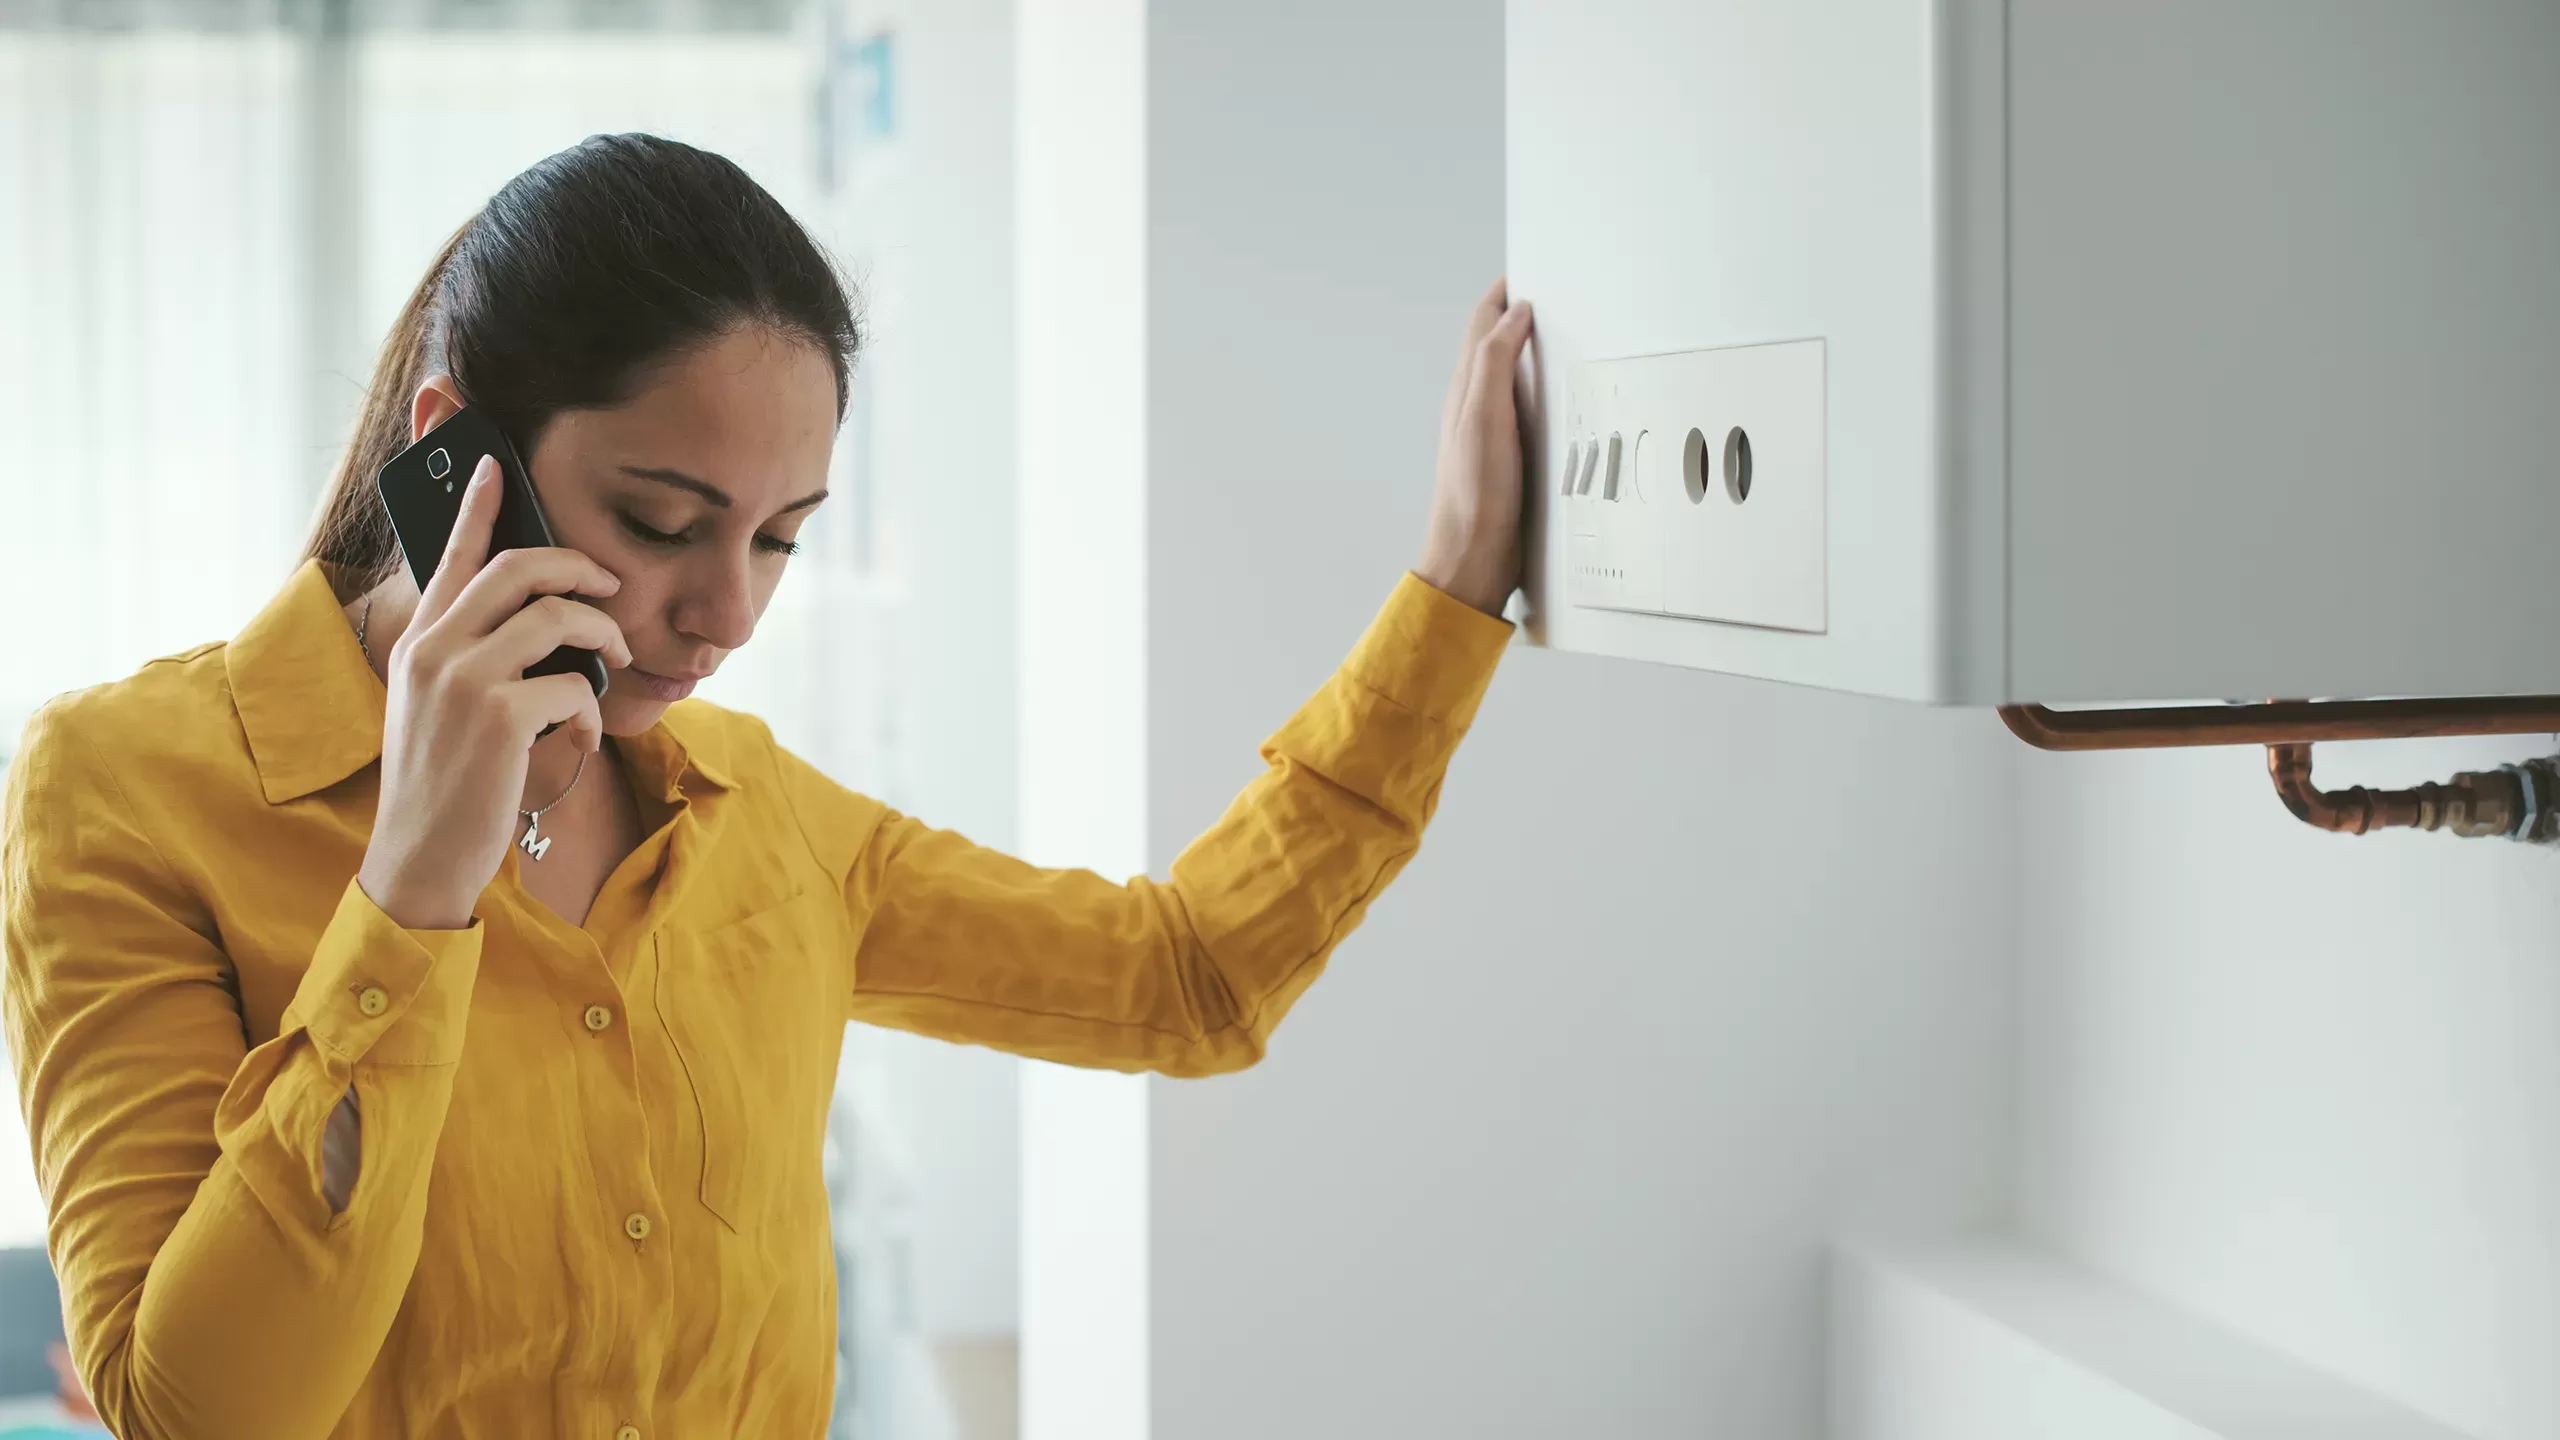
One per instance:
(752, 413)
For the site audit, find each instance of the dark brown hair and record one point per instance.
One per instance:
(577, 278)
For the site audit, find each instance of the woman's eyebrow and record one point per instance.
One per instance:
(704, 488)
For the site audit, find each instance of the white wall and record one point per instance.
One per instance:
(1081, 176)
(2306, 1086)
(1696, 974)
(927, 216)
(1556, 1148)
(1691, 972)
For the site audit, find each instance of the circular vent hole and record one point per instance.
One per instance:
(1693, 467)
(1737, 464)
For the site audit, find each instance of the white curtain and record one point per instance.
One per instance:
(149, 331)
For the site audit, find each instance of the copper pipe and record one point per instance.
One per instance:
(2521, 802)
(2279, 722)
(2352, 811)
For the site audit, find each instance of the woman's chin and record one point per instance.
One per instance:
(628, 714)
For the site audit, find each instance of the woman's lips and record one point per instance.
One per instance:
(664, 688)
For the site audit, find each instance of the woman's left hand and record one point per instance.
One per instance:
(1472, 550)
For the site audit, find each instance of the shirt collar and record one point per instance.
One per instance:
(312, 708)
(687, 740)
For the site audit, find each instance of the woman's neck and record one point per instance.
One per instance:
(555, 772)
(380, 616)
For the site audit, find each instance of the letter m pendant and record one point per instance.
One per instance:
(534, 843)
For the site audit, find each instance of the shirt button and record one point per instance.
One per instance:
(374, 1000)
(636, 1226)
(598, 1017)
(627, 1432)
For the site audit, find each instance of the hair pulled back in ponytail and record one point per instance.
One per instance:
(580, 276)
(352, 533)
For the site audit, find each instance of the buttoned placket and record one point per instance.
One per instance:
(591, 967)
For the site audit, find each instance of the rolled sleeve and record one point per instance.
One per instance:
(1429, 653)
(1190, 976)
(383, 995)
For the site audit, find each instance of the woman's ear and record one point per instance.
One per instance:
(438, 397)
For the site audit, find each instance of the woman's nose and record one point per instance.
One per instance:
(721, 612)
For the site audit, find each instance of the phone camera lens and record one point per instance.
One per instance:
(439, 464)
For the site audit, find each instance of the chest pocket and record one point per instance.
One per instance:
(756, 1012)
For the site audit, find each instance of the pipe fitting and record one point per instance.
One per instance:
(2518, 802)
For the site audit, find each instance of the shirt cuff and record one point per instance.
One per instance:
(1429, 653)
(378, 993)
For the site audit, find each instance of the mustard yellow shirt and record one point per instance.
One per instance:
(590, 1201)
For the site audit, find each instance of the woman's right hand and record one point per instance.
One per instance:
(462, 718)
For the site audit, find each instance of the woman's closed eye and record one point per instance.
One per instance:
(648, 534)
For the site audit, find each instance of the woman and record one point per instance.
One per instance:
(360, 1114)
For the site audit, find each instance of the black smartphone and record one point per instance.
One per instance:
(422, 488)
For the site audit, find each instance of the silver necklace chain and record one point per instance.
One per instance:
(535, 844)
